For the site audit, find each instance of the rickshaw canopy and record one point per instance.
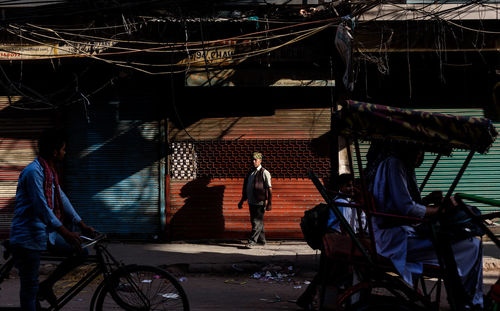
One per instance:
(435, 132)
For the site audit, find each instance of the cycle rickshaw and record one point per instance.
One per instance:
(378, 285)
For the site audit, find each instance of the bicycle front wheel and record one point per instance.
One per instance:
(136, 287)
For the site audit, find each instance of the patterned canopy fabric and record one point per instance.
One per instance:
(433, 131)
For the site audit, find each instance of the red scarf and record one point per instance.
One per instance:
(50, 174)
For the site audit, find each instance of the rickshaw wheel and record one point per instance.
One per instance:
(381, 295)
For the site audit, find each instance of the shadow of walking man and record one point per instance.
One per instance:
(201, 216)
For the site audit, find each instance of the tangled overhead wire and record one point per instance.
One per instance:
(131, 38)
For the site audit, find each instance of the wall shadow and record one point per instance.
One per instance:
(201, 215)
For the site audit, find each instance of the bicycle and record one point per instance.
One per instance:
(124, 287)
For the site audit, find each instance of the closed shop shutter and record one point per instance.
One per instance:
(112, 174)
(211, 158)
(209, 209)
(19, 132)
(284, 124)
(481, 176)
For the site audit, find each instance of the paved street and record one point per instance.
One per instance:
(215, 275)
(221, 275)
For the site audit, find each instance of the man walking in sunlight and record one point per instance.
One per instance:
(257, 190)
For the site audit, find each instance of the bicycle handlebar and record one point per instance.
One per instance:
(91, 241)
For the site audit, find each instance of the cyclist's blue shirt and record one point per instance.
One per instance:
(34, 221)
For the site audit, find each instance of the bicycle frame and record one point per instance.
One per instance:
(105, 265)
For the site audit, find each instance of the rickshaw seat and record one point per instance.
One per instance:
(340, 247)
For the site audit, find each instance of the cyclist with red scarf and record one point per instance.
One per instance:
(44, 219)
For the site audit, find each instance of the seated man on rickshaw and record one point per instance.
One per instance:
(346, 193)
(395, 191)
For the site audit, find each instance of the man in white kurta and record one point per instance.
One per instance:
(395, 191)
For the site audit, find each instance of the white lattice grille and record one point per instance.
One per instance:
(183, 161)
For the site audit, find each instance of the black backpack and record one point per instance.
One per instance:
(314, 225)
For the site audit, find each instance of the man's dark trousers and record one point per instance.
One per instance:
(27, 261)
(257, 220)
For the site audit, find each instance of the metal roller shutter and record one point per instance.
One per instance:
(209, 209)
(113, 174)
(19, 132)
(481, 177)
(284, 124)
(211, 157)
